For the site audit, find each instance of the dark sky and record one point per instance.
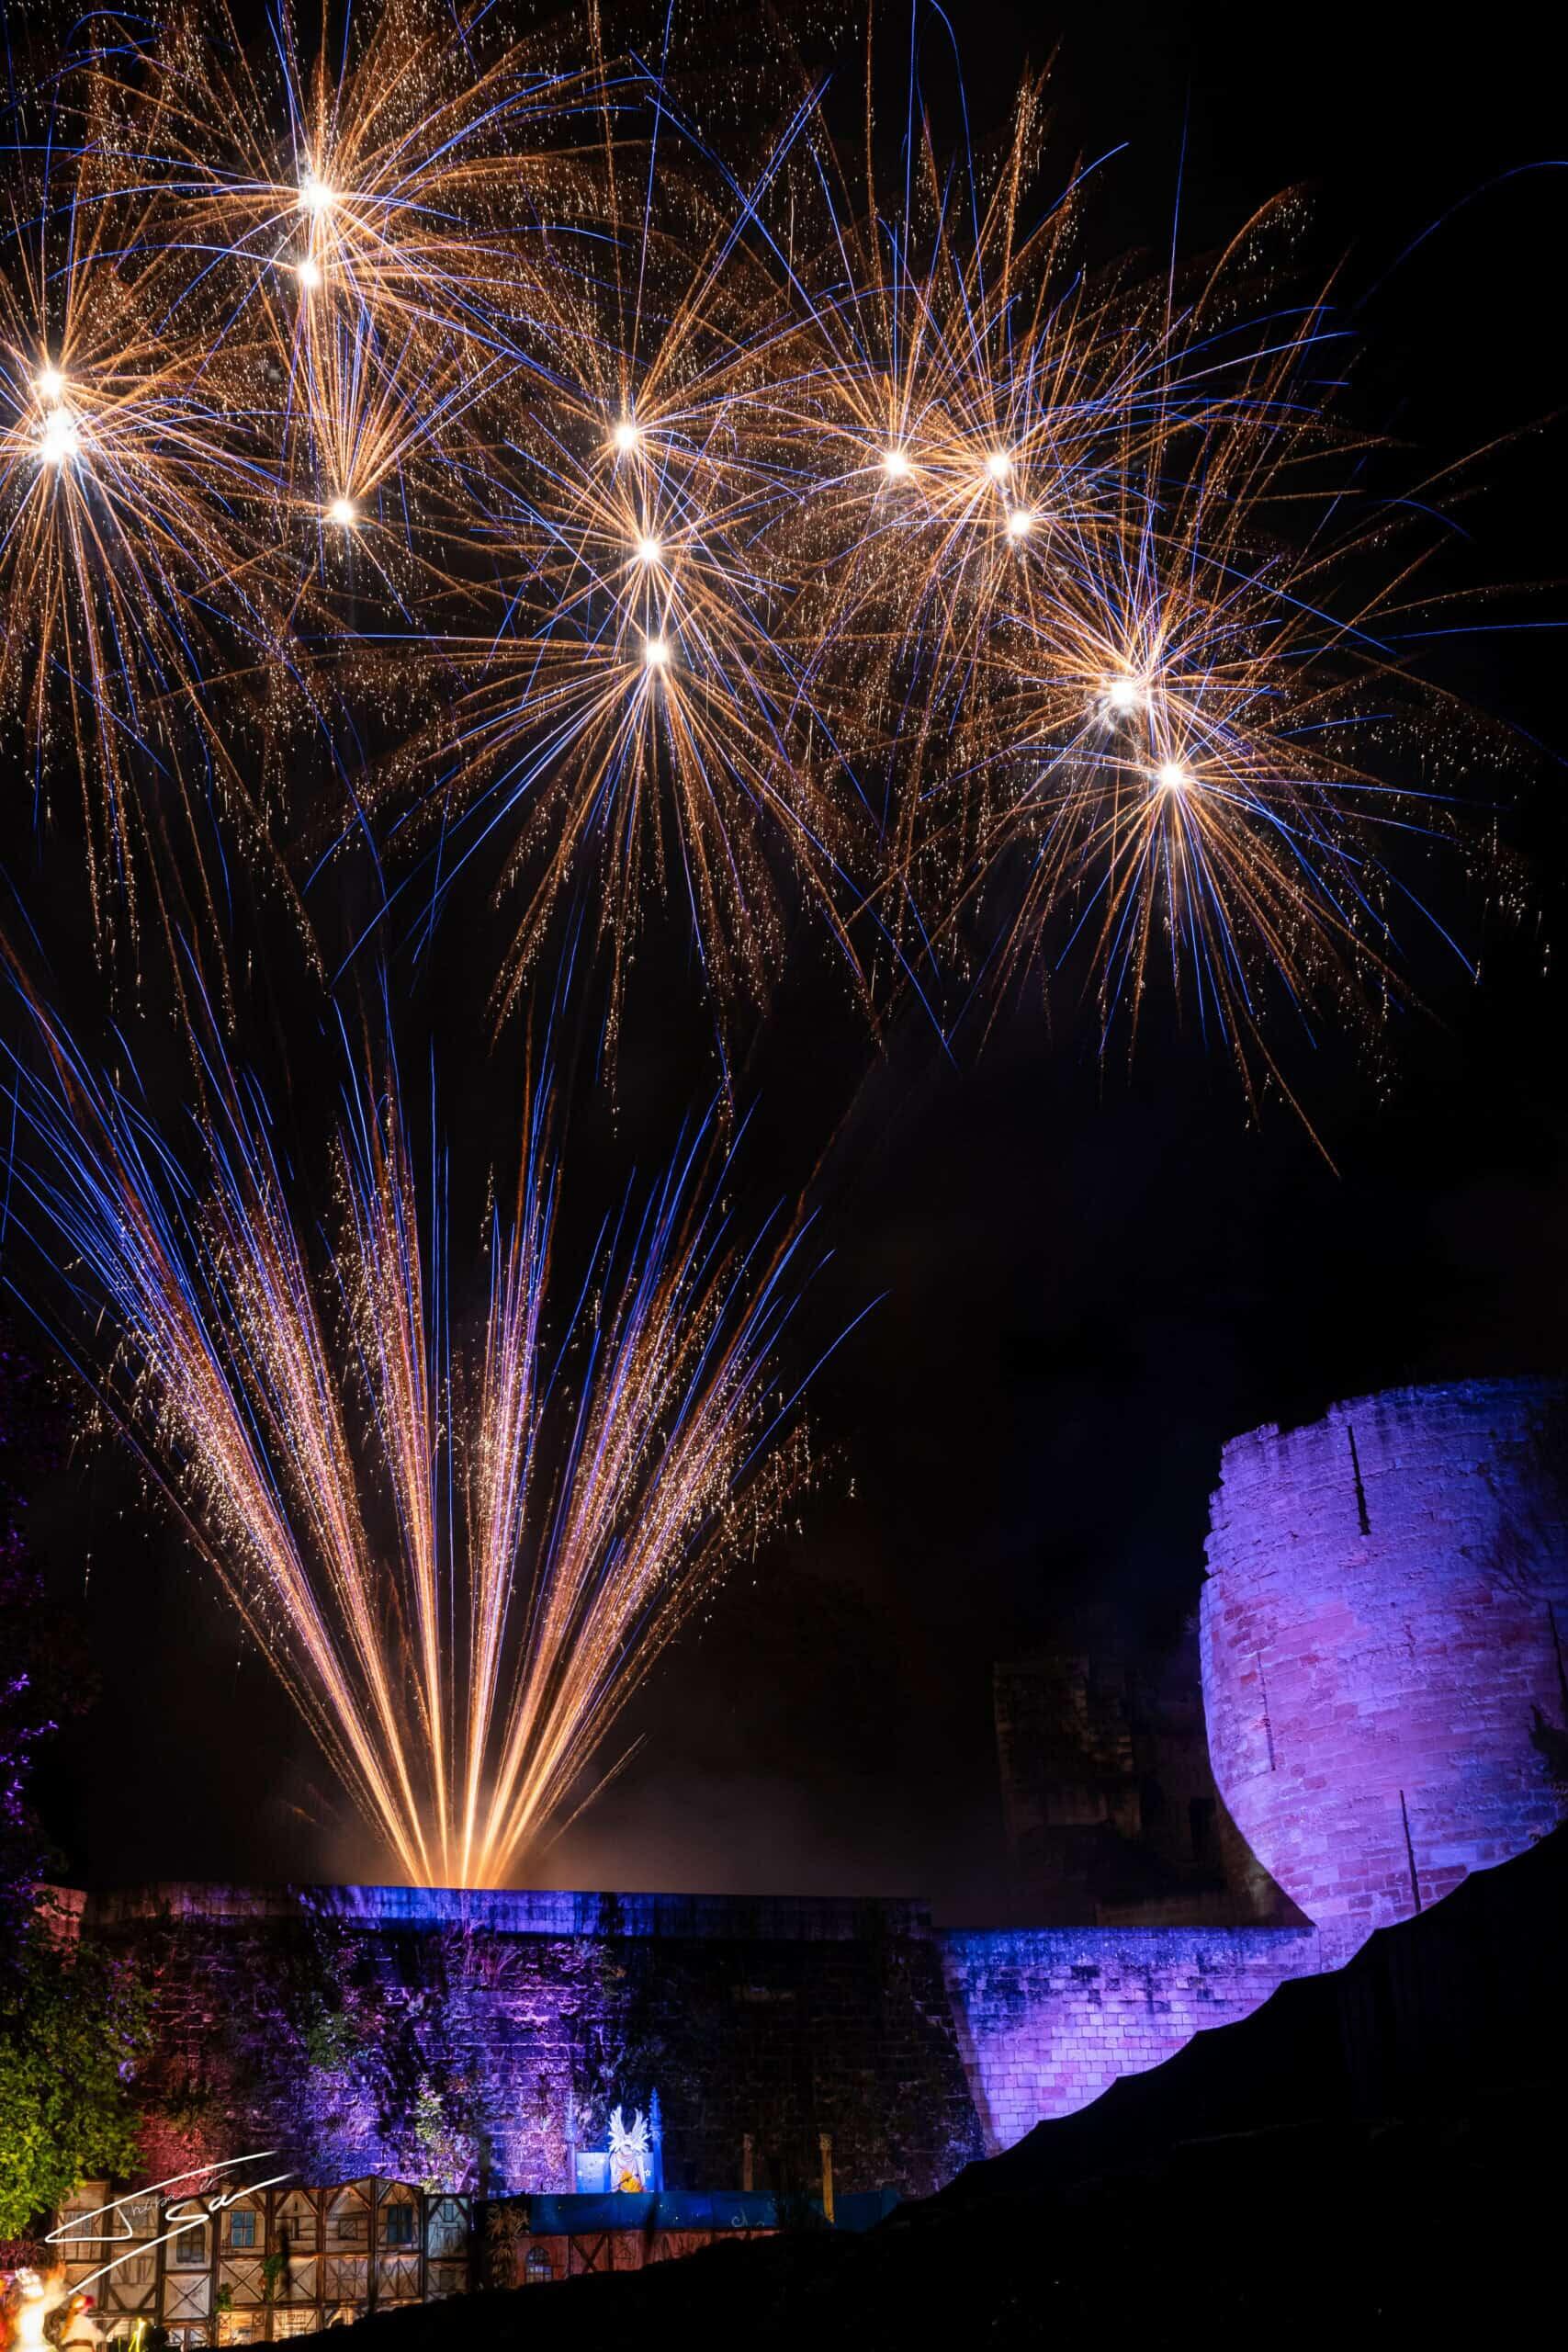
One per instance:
(1091, 1278)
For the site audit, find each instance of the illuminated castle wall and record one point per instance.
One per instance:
(387, 2029)
(1383, 1690)
(1048, 2018)
(1381, 1644)
(383, 2029)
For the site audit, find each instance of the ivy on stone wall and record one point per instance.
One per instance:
(354, 2037)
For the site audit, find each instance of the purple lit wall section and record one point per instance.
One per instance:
(1381, 1638)
(915, 2048)
(1048, 2018)
(449, 2038)
(1381, 1653)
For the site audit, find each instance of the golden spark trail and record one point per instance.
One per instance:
(602, 1482)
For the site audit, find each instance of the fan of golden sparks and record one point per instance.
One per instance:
(558, 1505)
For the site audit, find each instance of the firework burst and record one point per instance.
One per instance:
(758, 543)
(1174, 764)
(133, 493)
(646, 713)
(752, 532)
(396, 162)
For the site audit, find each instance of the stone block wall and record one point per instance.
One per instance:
(449, 2038)
(1049, 2017)
(1381, 1644)
(1385, 1696)
(1386, 1702)
(445, 2038)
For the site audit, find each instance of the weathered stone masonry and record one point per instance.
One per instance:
(1381, 1660)
(1049, 2017)
(326, 2022)
(1381, 1638)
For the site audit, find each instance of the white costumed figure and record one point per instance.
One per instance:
(629, 2151)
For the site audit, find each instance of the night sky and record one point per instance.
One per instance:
(1088, 1277)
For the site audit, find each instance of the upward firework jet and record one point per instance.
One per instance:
(460, 1569)
(648, 532)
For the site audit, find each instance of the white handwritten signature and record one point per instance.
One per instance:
(187, 2211)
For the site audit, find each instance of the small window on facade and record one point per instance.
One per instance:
(188, 2249)
(399, 2225)
(296, 2222)
(349, 2227)
(537, 2268)
(242, 2228)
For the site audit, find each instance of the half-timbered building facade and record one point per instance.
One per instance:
(264, 2264)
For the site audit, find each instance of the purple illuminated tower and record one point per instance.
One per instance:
(1381, 1644)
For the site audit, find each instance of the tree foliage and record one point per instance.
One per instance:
(73, 2025)
(73, 2022)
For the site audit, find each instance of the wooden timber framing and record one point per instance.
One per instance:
(274, 2263)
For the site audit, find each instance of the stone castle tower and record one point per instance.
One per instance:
(1382, 1642)
(1386, 1710)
